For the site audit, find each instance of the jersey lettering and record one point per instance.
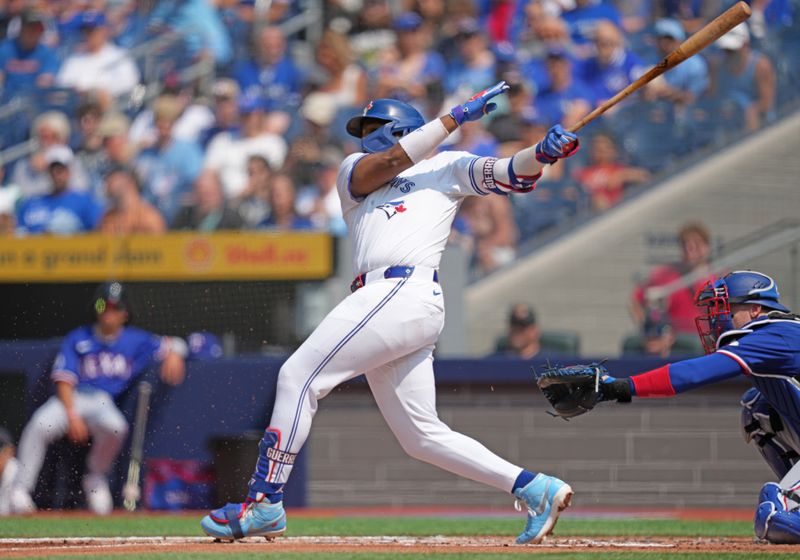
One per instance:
(401, 184)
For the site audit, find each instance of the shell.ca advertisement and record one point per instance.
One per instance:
(173, 256)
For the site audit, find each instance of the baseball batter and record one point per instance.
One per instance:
(399, 198)
(96, 363)
(746, 330)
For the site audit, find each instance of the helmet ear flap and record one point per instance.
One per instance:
(380, 139)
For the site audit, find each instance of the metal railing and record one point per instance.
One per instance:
(783, 233)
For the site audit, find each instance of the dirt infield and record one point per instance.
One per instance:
(18, 548)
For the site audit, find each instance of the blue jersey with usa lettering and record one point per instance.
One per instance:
(88, 360)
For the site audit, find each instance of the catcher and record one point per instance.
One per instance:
(745, 330)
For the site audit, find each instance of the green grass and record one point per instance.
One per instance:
(183, 525)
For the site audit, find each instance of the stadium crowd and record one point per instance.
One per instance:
(126, 139)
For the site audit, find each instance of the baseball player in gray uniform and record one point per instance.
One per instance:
(399, 198)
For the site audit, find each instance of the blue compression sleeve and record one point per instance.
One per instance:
(697, 372)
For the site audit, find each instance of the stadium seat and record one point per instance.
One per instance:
(567, 342)
(685, 345)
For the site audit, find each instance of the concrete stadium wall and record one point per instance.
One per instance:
(686, 451)
(583, 281)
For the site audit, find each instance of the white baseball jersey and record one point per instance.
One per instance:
(408, 220)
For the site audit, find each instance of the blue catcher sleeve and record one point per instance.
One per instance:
(679, 377)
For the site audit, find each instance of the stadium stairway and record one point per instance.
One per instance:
(582, 281)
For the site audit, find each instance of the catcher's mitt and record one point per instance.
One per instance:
(575, 390)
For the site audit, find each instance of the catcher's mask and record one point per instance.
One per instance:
(745, 286)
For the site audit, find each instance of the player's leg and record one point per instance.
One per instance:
(378, 323)
(405, 392)
(108, 429)
(777, 518)
(47, 424)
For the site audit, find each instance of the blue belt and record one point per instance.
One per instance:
(389, 272)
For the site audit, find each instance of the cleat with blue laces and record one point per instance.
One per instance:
(545, 498)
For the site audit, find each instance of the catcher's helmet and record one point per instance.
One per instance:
(400, 118)
(742, 286)
(111, 295)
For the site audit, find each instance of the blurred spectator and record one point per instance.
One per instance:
(687, 81)
(566, 99)
(61, 211)
(272, 75)
(283, 215)
(606, 177)
(227, 154)
(474, 68)
(546, 33)
(320, 201)
(208, 211)
(254, 205)
(613, 66)
(51, 128)
(199, 25)
(25, 63)
(345, 84)
(99, 66)
(522, 337)
(488, 224)
(9, 466)
(11, 18)
(412, 72)
(226, 110)
(584, 18)
(194, 116)
(8, 221)
(117, 149)
(168, 169)
(128, 212)
(372, 32)
(692, 14)
(659, 338)
(88, 145)
(507, 128)
(679, 306)
(473, 138)
(746, 78)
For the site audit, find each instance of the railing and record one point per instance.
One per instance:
(783, 233)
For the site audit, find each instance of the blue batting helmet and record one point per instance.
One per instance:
(399, 118)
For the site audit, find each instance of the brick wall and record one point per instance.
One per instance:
(685, 451)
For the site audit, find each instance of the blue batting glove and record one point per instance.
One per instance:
(478, 105)
(557, 144)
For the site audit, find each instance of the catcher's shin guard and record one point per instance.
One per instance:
(773, 522)
(271, 469)
(545, 498)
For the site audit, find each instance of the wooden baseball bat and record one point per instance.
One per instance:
(712, 31)
(131, 490)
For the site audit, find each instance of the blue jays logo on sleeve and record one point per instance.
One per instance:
(403, 185)
(392, 208)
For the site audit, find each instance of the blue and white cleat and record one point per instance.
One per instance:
(237, 521)
(545, 497)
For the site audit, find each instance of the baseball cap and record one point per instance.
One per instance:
(30, 16)
(668, 27)
(468, 27)
(226, 88)
(92, 19)
(734, 39)
(522, 316)
(655, 324)
(409, 21)
(113, 124)
(58, 154)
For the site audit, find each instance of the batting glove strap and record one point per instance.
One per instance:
(542, 157)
